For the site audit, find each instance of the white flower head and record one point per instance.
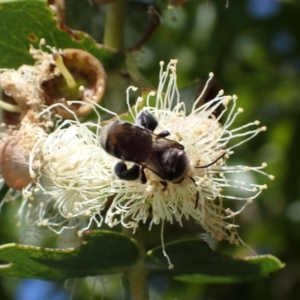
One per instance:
(208, 145)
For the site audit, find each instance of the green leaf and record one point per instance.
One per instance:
(26, 22)
(195, 262)
(3, 191)
(102, 252)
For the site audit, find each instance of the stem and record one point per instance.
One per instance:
(114, 24)
(137, 276)
(155, 20)
(3, 191)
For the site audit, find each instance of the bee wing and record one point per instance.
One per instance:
(127, 141)
(160, 143)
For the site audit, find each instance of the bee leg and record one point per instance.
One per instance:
(197, 199)
(164, 134)
(164, 185)
(142, 175)
(127, 174)
(146, 120)
(197, 194)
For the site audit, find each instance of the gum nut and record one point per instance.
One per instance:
(14, 164)
(87, 72)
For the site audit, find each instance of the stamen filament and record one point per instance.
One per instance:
(64, 71)
(9, 107)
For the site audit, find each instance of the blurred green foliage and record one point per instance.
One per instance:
(253, 48)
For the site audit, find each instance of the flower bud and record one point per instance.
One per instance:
(14, 162)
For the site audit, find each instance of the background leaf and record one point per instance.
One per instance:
(102, 252)
(195, 262)
(26, 22)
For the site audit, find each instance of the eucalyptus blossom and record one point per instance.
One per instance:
(76, 184)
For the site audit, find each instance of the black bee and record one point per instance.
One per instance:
(138, 144)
